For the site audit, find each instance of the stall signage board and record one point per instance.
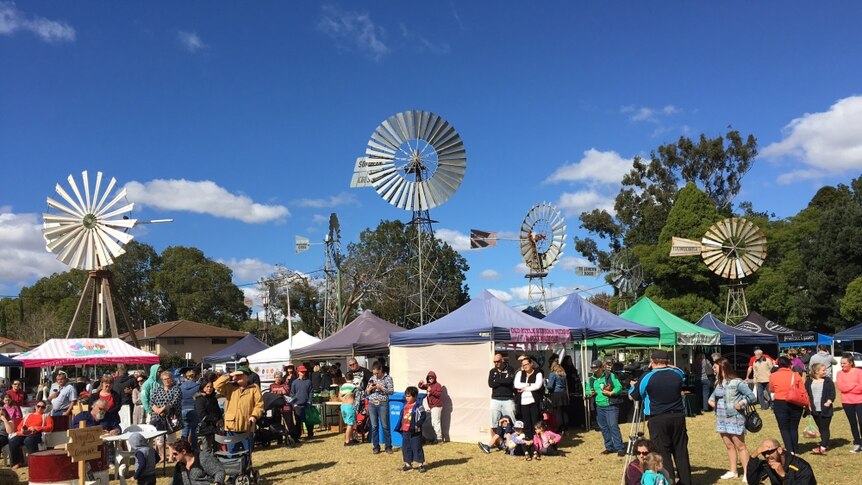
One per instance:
(84, 443)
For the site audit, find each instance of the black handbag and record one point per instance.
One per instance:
(753, 422)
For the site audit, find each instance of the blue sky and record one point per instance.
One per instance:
(242, 121)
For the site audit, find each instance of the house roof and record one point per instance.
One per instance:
(184, 328)
(20, 343)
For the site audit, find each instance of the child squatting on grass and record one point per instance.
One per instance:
(545, 441)
(412, 418)
(654, 472)
(517, 442)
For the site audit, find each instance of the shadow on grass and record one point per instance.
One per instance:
(833, 443)
(707, 475)
(449, 462)
(270, 464)
(301, 470)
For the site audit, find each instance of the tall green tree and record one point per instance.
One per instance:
(200, 289)
(683, 286)
(649, 190)
(851, 304)
(49, 306)
(134, 277)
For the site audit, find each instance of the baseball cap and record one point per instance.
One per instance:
(660, 354)
(301, 369)
(244, 370)
(519, 424)
(596, 364)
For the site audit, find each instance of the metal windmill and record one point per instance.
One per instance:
(332, 273)
(542, 239)
(626, 275)
(416, 160)
(89, 233)
(733, 249)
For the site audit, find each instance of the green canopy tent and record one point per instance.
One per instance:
(673, 330)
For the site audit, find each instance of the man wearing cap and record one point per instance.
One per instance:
(300, 398)
(253, 378)
(605, 388)
(243, 403)
(501, 380)
(760, 366)
(660, 391)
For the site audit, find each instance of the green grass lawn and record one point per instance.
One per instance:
(324, 460)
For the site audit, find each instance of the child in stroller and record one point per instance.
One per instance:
(272, 427)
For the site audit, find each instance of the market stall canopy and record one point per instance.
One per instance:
(852, 333)
(9, 362)
(85, 351)
(484, 319)
(244, 347)
(757, 323)
(673, 330)
(590, 321)
(282, 351)
(735, 336)
(367, 334)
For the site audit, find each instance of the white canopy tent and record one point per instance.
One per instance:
(267, 361)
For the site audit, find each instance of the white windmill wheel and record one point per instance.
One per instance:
(88, 232)
(417, 160)
(542, 237)
(734, 248)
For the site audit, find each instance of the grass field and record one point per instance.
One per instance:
(325, 461)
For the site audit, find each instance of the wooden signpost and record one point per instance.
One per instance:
(84, 445)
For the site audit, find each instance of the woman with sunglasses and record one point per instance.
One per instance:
(193, 468)
(138, 412)
(635, 470)
(29, 434)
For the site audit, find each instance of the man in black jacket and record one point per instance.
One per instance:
(501, 380)
(123, 385)
(771, 461)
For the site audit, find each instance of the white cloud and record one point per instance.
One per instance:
(570, 263)
(190, 41)
(23, 257)
(248, 269)
(595, 166)
(13, 20)
(500, 294)
(458, 240)
(202, 197)
(489, 274)
(574, 203)
(645, 113)
(670, 110)
(521, 268)
(828, 142)
(319, 219)
(353, 30)
(344, 198)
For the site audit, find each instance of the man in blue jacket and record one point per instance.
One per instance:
(660, 391)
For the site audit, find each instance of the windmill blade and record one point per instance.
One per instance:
(64, 240)
(120, 196)
(76, 209)
(108, 190)
(74, 185)
(124, 209)
(86, 189)
(96, 192)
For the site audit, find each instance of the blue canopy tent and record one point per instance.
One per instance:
(735, 336)
(852, 333)
(787, 337)
(244, 347)
(461, 347)
(589, 321)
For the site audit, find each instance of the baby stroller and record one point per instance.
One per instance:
(271, 426)
(237, 463)
(362, 425)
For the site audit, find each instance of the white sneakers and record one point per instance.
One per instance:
(729, 475)
(856, 449)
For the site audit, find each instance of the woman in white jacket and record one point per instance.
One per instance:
(528, 386)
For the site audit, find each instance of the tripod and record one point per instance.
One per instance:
(635, 433)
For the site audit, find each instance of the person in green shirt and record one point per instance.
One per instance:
(604, 387)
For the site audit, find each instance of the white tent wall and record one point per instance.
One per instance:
(462, 369)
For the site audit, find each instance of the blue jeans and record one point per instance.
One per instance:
(761, 390)
(706, 390)
(411, 448)
(378, 415)
(608, 418)
(190, 425)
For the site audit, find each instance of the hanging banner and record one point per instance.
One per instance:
(697, 339)
(539, 335)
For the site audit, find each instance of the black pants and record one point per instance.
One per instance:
(822, 423)
(670, 435)
(292, 429)
(788, 416)
(16, 455)
(854, 415)
(530, 415)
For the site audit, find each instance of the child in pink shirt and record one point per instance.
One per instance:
(545, 441)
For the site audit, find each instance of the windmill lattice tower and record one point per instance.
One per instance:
(332, 308)
(88, 232)
(416, 161)
(733, 249)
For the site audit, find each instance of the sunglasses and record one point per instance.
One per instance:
(40, 405)
(768, 452)
(642, 453)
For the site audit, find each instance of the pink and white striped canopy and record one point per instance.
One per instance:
(85, 351)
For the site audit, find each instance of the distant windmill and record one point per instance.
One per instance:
(332, 272)
(88, 233)
(733, 249)
(626, 276)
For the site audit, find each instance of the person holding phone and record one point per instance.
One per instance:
(434, 400)
(29, 434)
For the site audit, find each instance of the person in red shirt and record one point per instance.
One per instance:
(412, 418)
(29, 434)
(435, 404)
(17, 393)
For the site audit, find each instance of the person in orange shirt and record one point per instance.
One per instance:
(849, 382)
(29, 434)
(787, 414)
